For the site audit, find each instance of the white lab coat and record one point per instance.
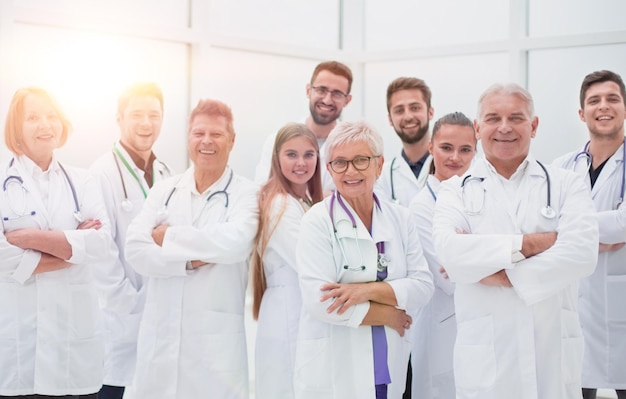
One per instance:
(522, 342)
(405, 186)
(192, 341)
(334, 354)
(262, 170)
(121, 288)
(603, 294)
(279, 314)
(50, 334)
(434, 330)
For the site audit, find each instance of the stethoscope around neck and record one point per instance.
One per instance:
(18, 179)
(547, 211)
(383, 261)
(162, 214)
(589, 158)
(127, 204)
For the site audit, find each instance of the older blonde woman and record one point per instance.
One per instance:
(363, 277)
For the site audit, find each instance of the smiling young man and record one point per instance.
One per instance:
(601, 163)
(126, 174)
(409, 112)
(328, 93)
(516, 293)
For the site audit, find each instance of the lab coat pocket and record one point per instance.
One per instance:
(474, 354)
(313, 366)
(571, 347)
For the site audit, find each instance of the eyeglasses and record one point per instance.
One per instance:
(359, 163)
(336, 95)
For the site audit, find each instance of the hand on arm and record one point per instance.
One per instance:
(49, 263)
(536, 243)
(498, 279)
(611, 247)
(347, 295)
(386, 315)
(158, 234)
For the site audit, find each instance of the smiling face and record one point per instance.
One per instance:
(210, 143)
(452, 148)
(355, 184)
(298, 159)
(140, 123)
(505, 129)
(325, 110)
(604, 110)
(409, 115)
(41, 130)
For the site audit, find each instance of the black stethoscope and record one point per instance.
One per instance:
(382, 262)
(164, 211)
(394, 199)
(587, 155)
(547, 211)
(17, 179)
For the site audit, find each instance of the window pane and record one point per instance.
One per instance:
(554, 78)
(562, 17)
(403, 24)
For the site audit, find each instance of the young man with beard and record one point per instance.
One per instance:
(601, 163)
(328, 93)
(409, 111)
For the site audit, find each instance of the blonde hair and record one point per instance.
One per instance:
(13, 134)
(276, 188)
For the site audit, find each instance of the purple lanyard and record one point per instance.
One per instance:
(379, 339)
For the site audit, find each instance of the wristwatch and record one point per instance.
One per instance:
(189, 265)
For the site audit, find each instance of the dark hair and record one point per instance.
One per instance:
(405, 83)
(600, 77)
(140, 89)
(454, 118)
(336, 68)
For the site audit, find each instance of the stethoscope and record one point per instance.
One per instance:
(547, 211)
(394, 199)
(432, 192)
(18, 180)
(164, 211)
(587, 155)
(127, 204)
(382, 261)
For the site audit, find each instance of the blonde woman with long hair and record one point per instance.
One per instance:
(294, 185)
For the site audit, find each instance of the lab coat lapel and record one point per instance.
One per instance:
(32, 189)
(613, 165)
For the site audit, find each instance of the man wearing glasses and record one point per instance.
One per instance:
(328, 93)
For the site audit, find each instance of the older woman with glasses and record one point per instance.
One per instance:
(363, 277)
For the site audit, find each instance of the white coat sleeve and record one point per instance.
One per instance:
(115, 289)
(143, 254)
(574, 254)
(90, 245)
(612, 225)
(423, 210)
(468, 258)
(415, 290)
(316, 267)
(226, 242)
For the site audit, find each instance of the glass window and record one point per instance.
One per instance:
(406, 24)
(566, 17)
(554, 79)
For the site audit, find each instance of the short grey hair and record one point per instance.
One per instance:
(351, 133)
(507, 89)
